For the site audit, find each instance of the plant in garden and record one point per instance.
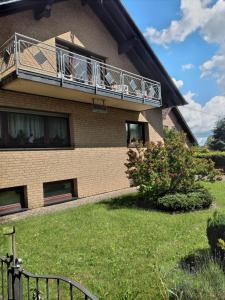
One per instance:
(167, 168)
(216, 234)
(185, 202)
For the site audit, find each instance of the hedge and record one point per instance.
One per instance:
(218, 157)
(185, 202)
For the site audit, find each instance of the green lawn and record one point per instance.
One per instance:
(117, 252)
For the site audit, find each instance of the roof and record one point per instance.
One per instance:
(183, 124)
(129, 38)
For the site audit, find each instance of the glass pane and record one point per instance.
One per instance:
(10, 196)
(135, 132)
(58, 131)
(25, 130)
(58, 188)
(80, 68)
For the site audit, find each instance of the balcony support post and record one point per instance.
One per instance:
(62, 65)
(95, 76)
(143, 89)
(16, 52)
(122, 83)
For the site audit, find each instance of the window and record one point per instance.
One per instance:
(59, 191)
(135, 133)
(78, 62)
(11, 200)
(29, 129)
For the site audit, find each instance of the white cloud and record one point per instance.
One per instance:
(178, 83)
(202, 118)
(215, 67)
(187, 67)
(195, 15)
(206, 17)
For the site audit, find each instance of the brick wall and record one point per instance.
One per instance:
(70, 21)
(97, 161)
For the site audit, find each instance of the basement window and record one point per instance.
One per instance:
(11, 200)
(135, 133)
(59, 191)
(33, 129)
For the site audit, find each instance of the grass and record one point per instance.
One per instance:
(117, 251)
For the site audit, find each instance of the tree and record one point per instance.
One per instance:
(217, 142)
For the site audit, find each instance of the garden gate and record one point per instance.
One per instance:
(18, 284)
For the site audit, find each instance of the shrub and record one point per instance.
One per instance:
(216, 234)
(167, 168)
(185, 202)
(218, 157)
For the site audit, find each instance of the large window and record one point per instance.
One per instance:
(135, 133)
(59, 191)
(29, 129)
(11, 200)
(78, 62)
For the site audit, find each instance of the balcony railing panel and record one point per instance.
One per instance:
(78, 68)
(30, 55)
(7, 55)
(38, 57)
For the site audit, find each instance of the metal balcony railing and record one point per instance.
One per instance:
(22, 53)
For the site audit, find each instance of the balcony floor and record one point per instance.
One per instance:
(33, 83)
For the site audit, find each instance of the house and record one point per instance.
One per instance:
(173, 119)
(78, 85)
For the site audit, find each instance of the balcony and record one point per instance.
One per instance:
(31, 66)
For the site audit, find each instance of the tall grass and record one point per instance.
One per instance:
(198, 277)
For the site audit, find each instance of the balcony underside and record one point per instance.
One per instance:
(44, 85)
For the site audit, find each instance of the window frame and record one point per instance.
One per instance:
(69, 48)
(5, 141)
(14, 207)
(62, 44)
(60, 198)
(143, 125)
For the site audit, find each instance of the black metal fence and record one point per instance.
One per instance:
(18, 284)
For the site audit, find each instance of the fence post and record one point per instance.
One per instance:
(17, 284)
(9, 283)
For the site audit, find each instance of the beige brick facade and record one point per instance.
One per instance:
(97, 160)
(170, 121)
(73, 22)
(100, 145)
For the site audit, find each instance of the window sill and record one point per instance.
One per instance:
(11, 212)
(50, 203)
(37, 149)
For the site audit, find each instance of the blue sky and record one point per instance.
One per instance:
(189, 39)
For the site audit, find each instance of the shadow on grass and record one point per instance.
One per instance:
(203, 278)
(129, 201)
(194, 262)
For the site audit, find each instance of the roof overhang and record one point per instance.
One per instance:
(184, 125)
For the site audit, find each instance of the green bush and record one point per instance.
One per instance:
(169, 168)
(185, 202)
(216, 234)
